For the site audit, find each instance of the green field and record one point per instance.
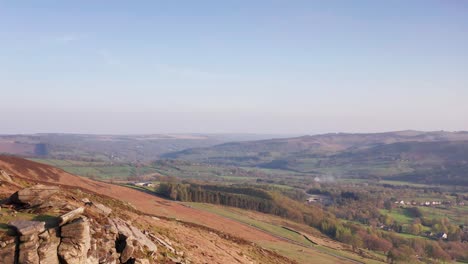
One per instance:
(456, 215)
(401, 215)
(122, 171)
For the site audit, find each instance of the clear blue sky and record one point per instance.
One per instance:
(233, 66)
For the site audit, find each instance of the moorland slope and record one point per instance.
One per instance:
(204, 223)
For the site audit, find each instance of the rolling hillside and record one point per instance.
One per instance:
(444, 162)
(114, 148)
(406, 155)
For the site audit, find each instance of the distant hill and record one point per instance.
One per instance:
(404, 155)
(255, 152)
(440, 162)
(118, 148)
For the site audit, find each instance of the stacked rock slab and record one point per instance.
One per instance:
(28, 240)
(48, 245)
(76, 241)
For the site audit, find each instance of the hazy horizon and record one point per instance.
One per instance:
(256, 67)
(260, 135)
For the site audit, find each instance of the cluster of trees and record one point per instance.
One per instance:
(241, 197)
(398, 249)
(251, 198)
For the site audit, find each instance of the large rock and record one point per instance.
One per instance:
(48, 245)
(34, 195)
(143, 239)
(132, 233)
(71, 215)
(54, 205)
(76, 242)
(25, 228)
(102, 209)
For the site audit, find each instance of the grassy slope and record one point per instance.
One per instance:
(233, 214)
(121, 171)
(265, 223)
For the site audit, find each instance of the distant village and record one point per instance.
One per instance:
(429, 203)
(323, 199)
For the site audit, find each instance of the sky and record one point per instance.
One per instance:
(234, 66)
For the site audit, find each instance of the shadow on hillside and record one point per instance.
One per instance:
(50, 221)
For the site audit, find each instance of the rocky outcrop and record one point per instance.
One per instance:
(132, 233)
(76, 242)
(28, 232)
(97, 207)
(34, 195)
(130, 241)
(86, 235)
